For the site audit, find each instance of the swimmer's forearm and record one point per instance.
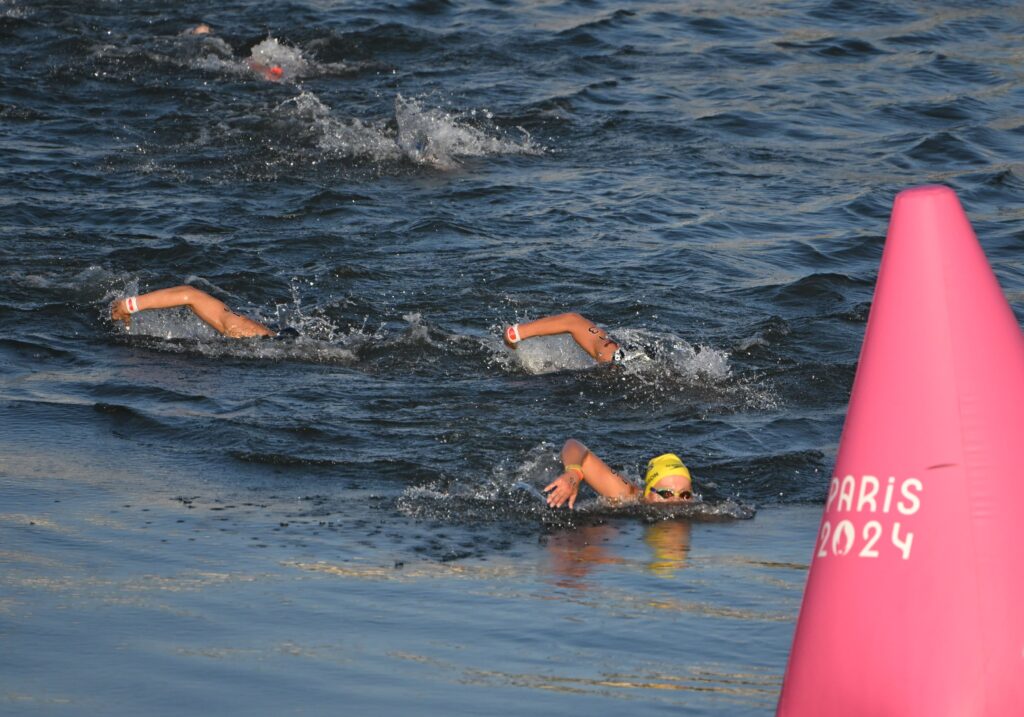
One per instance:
(558, 324)
(168, 298)
(596, 472)
(122, 309)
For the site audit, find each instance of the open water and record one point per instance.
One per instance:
(348, 522)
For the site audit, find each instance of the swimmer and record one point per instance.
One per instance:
(667, 479)
(273, 73)
(590, 337)
(212, 311)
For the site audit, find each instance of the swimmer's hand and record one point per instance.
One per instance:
(119, 312)
(511, 336)
(564, 488)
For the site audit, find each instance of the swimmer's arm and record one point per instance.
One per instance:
(590, 337)
(595, 472)
(213, 311)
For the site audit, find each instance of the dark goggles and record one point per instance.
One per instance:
(667, 493)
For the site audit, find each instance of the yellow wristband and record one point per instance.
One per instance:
(575, 467)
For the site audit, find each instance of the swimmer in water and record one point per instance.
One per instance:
(667, 479)
(272, 73)
(212, 311)
(590, 337)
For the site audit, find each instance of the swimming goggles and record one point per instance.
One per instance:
(667, 493)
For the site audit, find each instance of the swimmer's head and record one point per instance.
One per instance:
(200, 29)
(276, 71)
(667, 480)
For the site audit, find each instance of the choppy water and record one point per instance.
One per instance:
(709, 180)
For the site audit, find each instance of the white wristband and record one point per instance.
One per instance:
(131, 304)
(512, 334)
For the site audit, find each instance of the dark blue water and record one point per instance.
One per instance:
(709, 181)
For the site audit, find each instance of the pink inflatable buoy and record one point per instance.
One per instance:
(914, 604)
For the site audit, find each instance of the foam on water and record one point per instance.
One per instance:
(175, 327)
(208, 52)
(546, 354)
(8, 8)
(663, 364)
(649, 351)
(437, 138)
(270, 53)
(422, 135)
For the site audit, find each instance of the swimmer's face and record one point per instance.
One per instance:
(671, 489)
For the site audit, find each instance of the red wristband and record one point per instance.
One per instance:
(512, 334)
(131, 304)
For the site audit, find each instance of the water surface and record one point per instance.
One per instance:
(349, 521)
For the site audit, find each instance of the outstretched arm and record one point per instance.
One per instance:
(213, 311)
(580, 464)
(590, 337)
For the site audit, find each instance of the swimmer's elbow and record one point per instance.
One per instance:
(574, 319)
(188, 295)
(184, 291)
(571, 444)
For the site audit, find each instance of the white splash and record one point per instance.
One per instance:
(701, 362)
(547, 354)
(425, 136)
(270, 54)
(438, 138)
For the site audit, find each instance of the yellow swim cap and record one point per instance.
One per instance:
(667, 464)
